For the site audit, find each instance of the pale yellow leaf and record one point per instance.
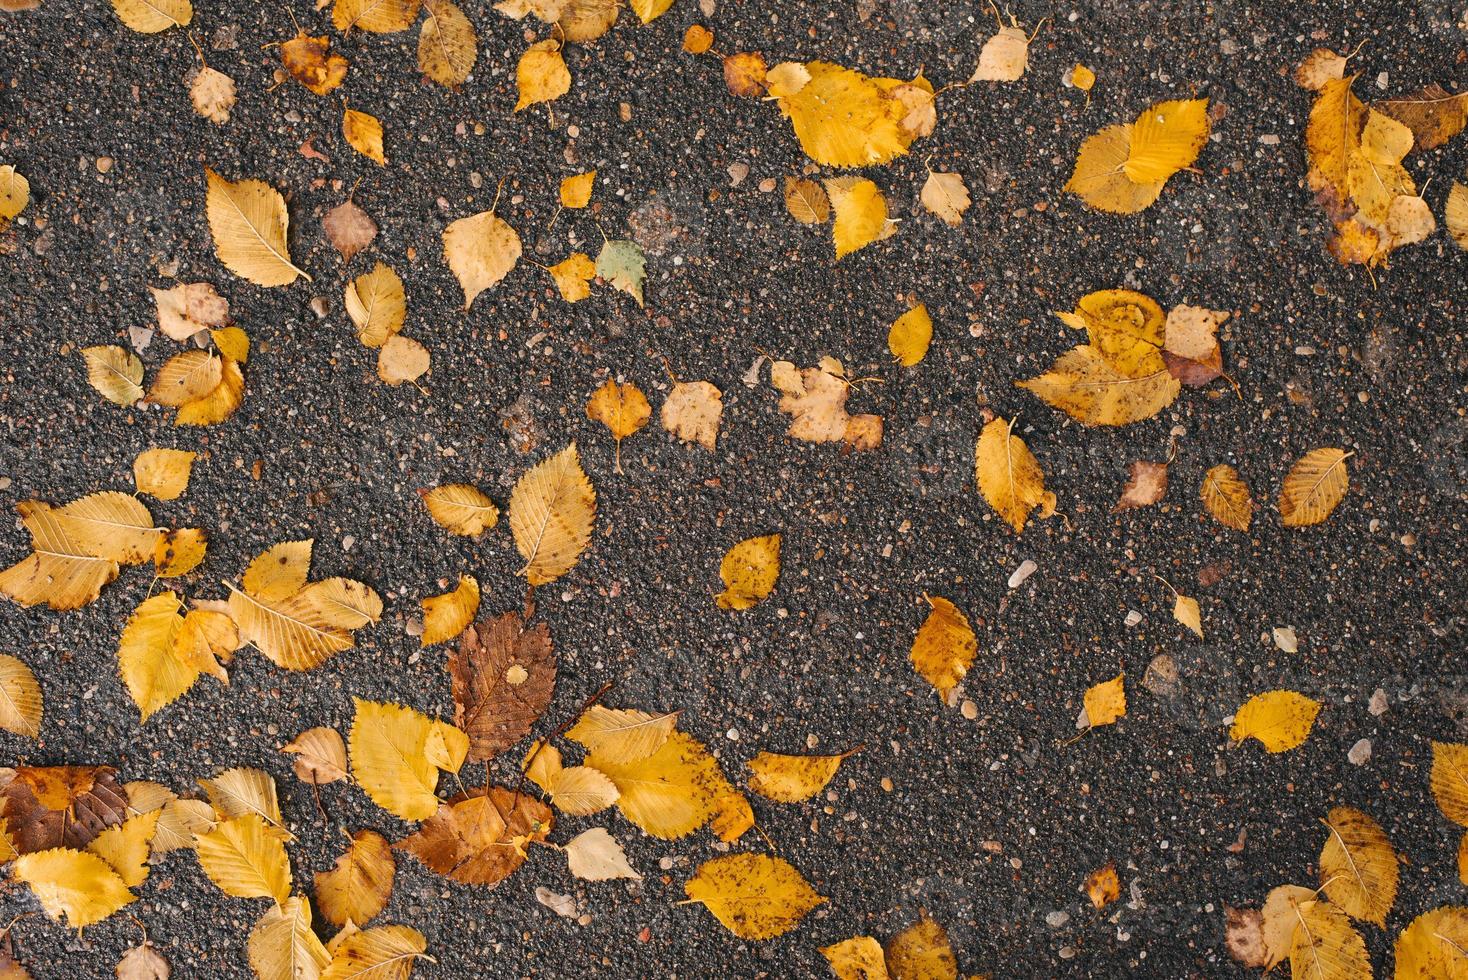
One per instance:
(447, 44)
(127, 846)
(245, 857)
(946, 195)
(461, 508)
(806, 201)
(282, 945)
(111, 525)
(212, 94)
(692, 412)
(375, 16)
(243, 791)
(552, 509)
(189, 307)
(595, 855)
(20, 698)
(152, 16)
(581, 791)
(116, 374)
(480, 250)
(379, 953)
(402, 359)
(857, 958)
(376, 304)
(163, 473)
(321, 755)
(1185, 610)
(248, 220)
(1004, 57)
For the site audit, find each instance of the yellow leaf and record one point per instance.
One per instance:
(1004, 57)
(357, 887)
(243, 791)
(245, 857)
(445, 616)
(275, 611)
(541, 75)
(749, 571)
(944, 648)
(1318, 67)
(1358, 868)
(282, 945)
(321, 755)
(815, 399)
(595, 855)
(1086, 387)
(909, 336)
(921, 952)
(1102, 886)
(1325, 946)
(188, 308)
(946, 195)
(377, 305)
(1227, 497)
(806, 201)
(15, 192)
(74, 884)
(552, 509)
(669, 793)
(693, 411)
(650, 10)
(401, 359)
(1280, 720)
(1374, 175)
(623, 409)
(363, 133)
(461, 509)
(180, 824)
(1126, 328)
(480, 250)
(1009, 476)
(309, 61)
(343, 603)
(126, 846)
(861, 213)
(844, 118)
(186, 377)
(154, 668)
(1455, 215)
(279, 571)
(621, 736)
(858, 958)
(379, 953)
(447, 44)
(116, 374)
(573, 276)
(1450, 780)
(152, 16)
(219, 404)
(581, 791)
(163, 473)
(213, 94)
(792, 778)
(248, 220)
(1313, 488)
(389, 759)
(111, 525)
(1185, 610)
(232, 342)
(1434, 946)
(20, 698)
(1166, 138)
(755, 896)
(1082, 78)
(1278, 919)
(1104, 703)
(60, 572)
(576, 190)
(697, 39)
(374, 16)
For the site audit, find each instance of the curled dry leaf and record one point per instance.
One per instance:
(357, 887)
(349, 229)
(377, 305)
(321, 756)
(480, 250)
(20, 698)
(552, 510)
(692, 412)
(749, 570)
(248, 221)
(946, 195)
(755, 896)
(1313, 488)
(116, 374)
(480, 839)
(861, 214)
(446, 616)
(503, 675)
(1226, 497)
(1123, 168)
(447, 44)
(363, 133)
(1009, 476)
(401, 359)
(163, 473)
(944, 648)
(1280, 720)
(309, 61)
(212, 94)
(541, 74)
(806, 201)
(461, 508)
(909, 336)
(1358, 868)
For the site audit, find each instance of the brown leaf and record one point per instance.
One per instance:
(480, 839)
(306, 60)
(1147, 485)
(744, 74)
(1433, 114)
(503, 675)
(349, 229)
(61, 806)
(1244, 936)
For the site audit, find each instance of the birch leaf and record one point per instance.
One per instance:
(909, 336)
(541, 74)
(806, 201)
(447, 44)
(213, 95)
(921, 952)
(356, 888)
(15, 192)
(1104, 703)
(402, 359)
(670, 793)
(861, 214)
(188, 308)
(692, 412)
(1319, 67)
(446, 616)
(573, 276)
(1185, 610)
(480, 250)
(755, 896)
(623, 409)
(60, 572)
(1434, 946)
(1280, 720)
(1004, 57)
(1145, 487)
(1433, 114)
(152, 16)
(480, 838)
(74, 884)
(376, 304)
(244, 856)
(375, 16)
(379, 953)
(576, 190)
(309, 61)
(842, 117)
(1450, 780)
(1226, 497)
(321, 756)
(363, 133)
(622, 735)
(1313, 488)
(20, 698)
(461, 508)
(749, 570)
(1326, 946)
(243, 791)
(126, 847)
(163, 473)
(1358, 868)
(390, 761)
(1455, 214)
(858, 958)
(503, 674)
(792, 778)
(110, 525)
(249, 221)
(349, 228)
(595, 855)
(944, 648)
(186, 377)
(580, 791)
(1089, 389)
(946, 195)
(552, 509)
(155, 669)
(116, 374)
(622, 264)
(1009, 476)
(282, 945)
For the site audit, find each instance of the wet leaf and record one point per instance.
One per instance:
(1227, 498)
(858, 958)
(1123, 168)
(692, 412)
(1434, 946)
(944, 648)
(622, 265)
(74, 884)
(623, 409)
(921, 952)
(363, 133)
(1104, 703)
(480, 250)
(447, 44)
(552, 510)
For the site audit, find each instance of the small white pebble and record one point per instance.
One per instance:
(1377, 705)
(1132, 618)
(1285, 639)
(1360, 753)
(1024, 571)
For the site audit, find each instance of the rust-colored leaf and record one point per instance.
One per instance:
(503, 674)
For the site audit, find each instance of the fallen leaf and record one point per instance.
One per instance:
(401, 359)
(60, 806)
(576, 190)
(480, 839)
(1280, 720)
(1102, 886)
(1434, 946)
(1004, 56)
(792, 778)
(1319, 67)
(541, 74)
(806, 201)
(858, 958)
(583, 21)
(921, 952)
(842, 117)
(308, 60)
(744, 74)
(1084, 384)
(1082, 78)
(163, 473)
(749, 570)
(1146, 486)
(944, 648)
(909, 336)
(1185, 610)
(1433, 114)
(480, 250)
(379, 953)
(446, 616)
(1313, 487)
(376, 304)
(1104, 703)
(861, 214)
(622, 735)
(375, 16)
(186, 377)
(946, 195)
(143, 963)
(349, 229)
(110, 525)
(461, 508)
(623, 409)
(1191, 347)
(74, 884)
(321, 756)
(20, 698)
(248, 220)
(595, 855)
(1358, 868)
(243, 791)
(697, 39)
(156, 667)
(357, 887)
(282, 945)
(1243, 936)
(1324, 940)
(1227, 498)
(552, 510)
(244, 856)
(580, 791)
(152, 16)
(1455, 214)
(116, 374)
(815, 399)
(755, 896)
(390, 762)
(127, 846)
(573, 276)
(447, 44)
(1123, 168)
(363, 133)
(293, 624)
(1279, 918)
(503, 675)
(692, 412)
(1009, 476)
(670, 793)
(188, 308)
(621, 264)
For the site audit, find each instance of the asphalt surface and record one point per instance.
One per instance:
(1322, 356)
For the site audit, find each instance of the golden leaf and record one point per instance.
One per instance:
(186, 377)
(1358, 868)
(552, 509)
(401, 359)
(480, 250)
(1450, 780)
(1082, 78)
(1280, 720)
(126, 847)
(20, 698)
(755, 896)
(946, 195)
(792, 778)
(844, 118)
(1125, 327)
(573, 276)
(1102, 886)
(576, 189)
(275, 612)
(219, 404)
(1433, 114)
(1278, 919)
(621, 736)
(1374, 175)
(595, 855)
(390, 761)
(749, 570)
(650, 10)
(858, 958)
(581, 791)
(446, 616)
(363, 133)
(921, 952)
(375, 16)
(697, 39)
(152, 16)
(116, 374)
(321, 755)
(1319, 67)
(670, 793)
(1166, 138)
(74, 884)
(232, 342)
(279, 571)
(692, 412)
(447, 44)
(586, 20)
(308, 60)
(243, 791)
(110, 525)
(60, 572)
(1455, 215)
(460, 508)
(1227, 497)
(180, 824)
(806, 201)
(744, 74)
(1325, 945)
(1104, 703)
(163, 473)
(861, 214)
(909, 336)
(213, 94)
(358, 885)
(15, 192)
(155, 668)
(244, 856)
(377, 305)
(623, 409)
(282, 945)
(379, 953)
(1434, 946)
(542, 76)
(249, 221)
(1004, 56)
(1086, 387)
(1313, 488)
(1185, 610)
(944, 648)
(1009, 476)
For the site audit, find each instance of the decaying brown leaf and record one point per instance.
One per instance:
(349, 229)
(1146, 486)
(480, 837)
(503, 674)
(61, 806)
(309, 61)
